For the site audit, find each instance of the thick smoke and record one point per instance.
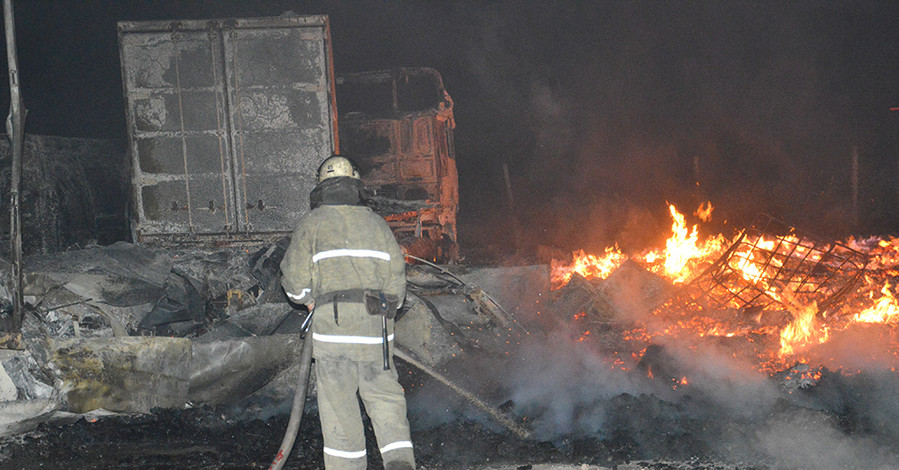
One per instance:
(561, 385)
(810, 439)
(727, 411)
(600, 110)
(605, 112)
(683, 399)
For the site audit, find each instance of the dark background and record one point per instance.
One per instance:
(603, 111)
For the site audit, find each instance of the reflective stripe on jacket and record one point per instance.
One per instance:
(339, 248)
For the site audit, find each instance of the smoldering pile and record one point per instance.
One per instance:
(635, 358)
(577, 368)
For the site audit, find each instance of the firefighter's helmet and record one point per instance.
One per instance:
(335, 166)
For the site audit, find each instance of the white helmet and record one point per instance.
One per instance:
(336, 166)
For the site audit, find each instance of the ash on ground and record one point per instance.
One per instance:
(828, 424)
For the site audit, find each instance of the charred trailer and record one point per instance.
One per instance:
(398, 125)
(227, 121)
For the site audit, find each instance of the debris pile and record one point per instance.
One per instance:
(631, 368)
(129, 328)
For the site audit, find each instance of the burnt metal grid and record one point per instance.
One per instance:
(782, 260)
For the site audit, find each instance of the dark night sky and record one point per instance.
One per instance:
(600, 109)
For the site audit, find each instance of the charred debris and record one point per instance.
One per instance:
(126, 338)
(126, 330)
(180, 350)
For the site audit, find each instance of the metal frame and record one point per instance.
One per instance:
(782, 260)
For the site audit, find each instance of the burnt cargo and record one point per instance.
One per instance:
(227, 122)
(71, 193)
(398, 126)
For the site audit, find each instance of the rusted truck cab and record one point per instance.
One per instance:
(397, 125)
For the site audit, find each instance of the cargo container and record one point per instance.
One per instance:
(227, 121)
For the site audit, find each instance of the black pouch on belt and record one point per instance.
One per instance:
(379, 303)
(351, 295)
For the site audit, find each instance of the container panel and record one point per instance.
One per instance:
(163, 155)
(168, 209)
(279, 57)
(274, 202)
(227, 120)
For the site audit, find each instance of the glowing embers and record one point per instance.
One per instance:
(763, 269)
(799, 377)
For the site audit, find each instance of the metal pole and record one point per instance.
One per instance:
(15, 130)
(696, 187)
(895, 108)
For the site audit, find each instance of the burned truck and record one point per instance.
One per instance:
(228, 120)
(398, 125)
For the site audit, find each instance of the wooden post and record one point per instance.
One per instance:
(15, 129)
(697, 189)
(512, 216)
(854, 186)
(508, 187)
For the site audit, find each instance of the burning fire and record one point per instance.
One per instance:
(589, 266)
(677, 261)
(884, 310)
(804, 330)
(794, 325)
(683, 246)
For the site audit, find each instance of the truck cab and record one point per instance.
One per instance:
(397, 125)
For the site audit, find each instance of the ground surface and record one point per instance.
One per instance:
(207, 439)
(837, 422)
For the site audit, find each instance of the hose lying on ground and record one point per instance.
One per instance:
(511, 425)
(299, 401)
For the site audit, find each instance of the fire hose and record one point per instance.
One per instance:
(518, 429)
(299, 399)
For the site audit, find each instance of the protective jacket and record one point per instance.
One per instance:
(336, 252)
(339, 250)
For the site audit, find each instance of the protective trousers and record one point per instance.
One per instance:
(337, 382)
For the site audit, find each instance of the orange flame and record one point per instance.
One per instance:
(704, 211)
(674, 262)
(587, 265)
(792, 331)
(884, 310)
(803, 331)
(683, 247)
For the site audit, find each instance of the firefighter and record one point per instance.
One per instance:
(340, 253)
